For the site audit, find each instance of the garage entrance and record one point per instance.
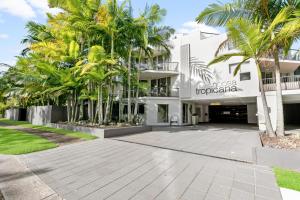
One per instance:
(228, 114)
(292, 114)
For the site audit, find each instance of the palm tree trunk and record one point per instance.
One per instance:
(138, 80)
(90, 116)
(107, 109)
(129, 86)
(280, 115)
(69, 108)
(269, 127)
(100, 103)
(81, 110)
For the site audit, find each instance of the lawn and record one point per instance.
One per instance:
(80, 135)
(287, 178)
(18, 142)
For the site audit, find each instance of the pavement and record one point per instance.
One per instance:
(113, 169)
(18, 182)
(109, 169)
(228, 141)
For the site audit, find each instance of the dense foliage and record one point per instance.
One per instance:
(84, 55)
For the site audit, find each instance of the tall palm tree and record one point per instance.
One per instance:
(219, 14)
(252, 44)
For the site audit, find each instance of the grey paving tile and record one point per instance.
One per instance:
(244, 187)
(111, 169)
(268, 193)
(241, 195)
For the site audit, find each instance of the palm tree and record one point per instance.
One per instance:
(252, 44)
(264, 11)
(95, 70)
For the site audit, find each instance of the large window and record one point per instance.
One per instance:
(161, 87)
(163, 113)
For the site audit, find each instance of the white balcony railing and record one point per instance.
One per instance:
(291, 55)
(155, 92)
(166, 66)
(287, 83)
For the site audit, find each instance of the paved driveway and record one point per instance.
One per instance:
(219, 140)
(108, 169)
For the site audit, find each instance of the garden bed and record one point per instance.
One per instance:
(291, 141)
(103, 131)
(90, 125)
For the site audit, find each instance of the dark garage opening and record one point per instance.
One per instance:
(292, 114)
(228, 114)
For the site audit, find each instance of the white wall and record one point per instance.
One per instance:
(12, 114)
(272, 104)
(203, 51)
(252, 113)
(152, 109)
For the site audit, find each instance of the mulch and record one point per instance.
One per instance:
(59, 139)
(287, 142)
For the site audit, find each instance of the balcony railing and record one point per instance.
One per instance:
(291, 55)
(287, 83)
(166, 66)
(155, 92)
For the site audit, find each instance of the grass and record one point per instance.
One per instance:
(80, 135)
(14, 142)
(287, 178)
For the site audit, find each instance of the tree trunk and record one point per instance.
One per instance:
(129, 86)
(100, 104)
(69, 108)
(269, 127)
(81, 110)
(89, 103)
(107, 109)
(138, 80)
(280, 115)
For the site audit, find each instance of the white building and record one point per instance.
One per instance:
(182, 86)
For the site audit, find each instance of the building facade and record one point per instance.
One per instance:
(182, 86)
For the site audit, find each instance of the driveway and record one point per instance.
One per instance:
(233, 142)
(109, 169)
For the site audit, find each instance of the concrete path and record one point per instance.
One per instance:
(18, 183)
(109, 169)
(59, 139)
(233, 142)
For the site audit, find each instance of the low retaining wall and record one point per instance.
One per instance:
(103, 133)
(277, 157)
(42, 115)
(16, 114)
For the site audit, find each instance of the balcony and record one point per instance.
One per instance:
(287, 83)
(155, 92)
(159, 70)
(288, 63)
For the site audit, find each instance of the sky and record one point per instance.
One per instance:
(14, 14)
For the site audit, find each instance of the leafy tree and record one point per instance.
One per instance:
(263, 11)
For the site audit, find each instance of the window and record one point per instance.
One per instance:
(230, 45)
(163, 113)
(141, 109)
(245, 76)
(185, 113)
(161, 87)
(297, 72)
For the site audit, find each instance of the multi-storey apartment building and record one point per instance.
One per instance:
(182, 86)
